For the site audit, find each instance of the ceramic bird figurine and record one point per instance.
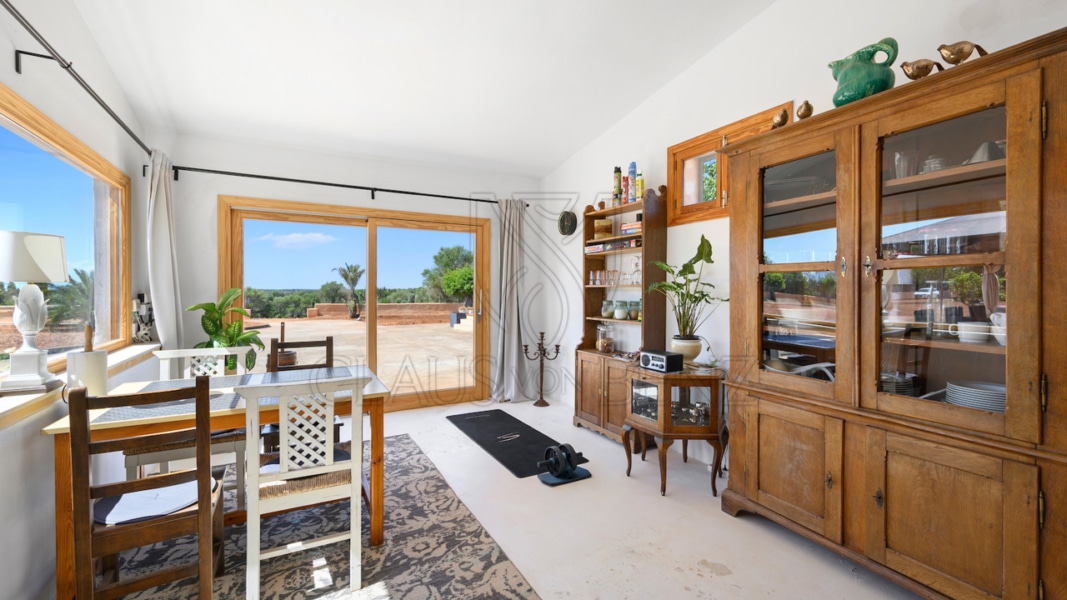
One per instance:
(917, 69)
(780, 119)
(804, 110)
(959, 52)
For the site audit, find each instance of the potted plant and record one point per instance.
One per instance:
(221, 335)
(689, 298)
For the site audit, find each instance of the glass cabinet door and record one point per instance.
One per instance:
(951, 234)
(800, 268)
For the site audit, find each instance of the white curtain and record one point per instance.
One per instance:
(163, 286)
(511, 364)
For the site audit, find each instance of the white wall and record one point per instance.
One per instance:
(780, 55)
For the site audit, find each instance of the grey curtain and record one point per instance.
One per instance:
(162, 257)
(510, 370)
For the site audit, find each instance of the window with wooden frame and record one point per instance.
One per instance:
(697, 171)
(51, 182)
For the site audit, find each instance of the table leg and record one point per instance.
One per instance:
(626, 431)
(685, 451)
(377, 472)
(716, 468)
(644, 443)
(64, 518)
(664, 444)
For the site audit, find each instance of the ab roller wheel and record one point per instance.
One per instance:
(561, 464)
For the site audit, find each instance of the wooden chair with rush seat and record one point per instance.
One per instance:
(112, 517)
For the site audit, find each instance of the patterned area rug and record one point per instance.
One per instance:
(434, 547)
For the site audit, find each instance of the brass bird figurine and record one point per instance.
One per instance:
(780, 119)
(959, 52)
(917, 69)
(804, 110)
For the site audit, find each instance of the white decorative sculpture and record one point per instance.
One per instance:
(30, 257)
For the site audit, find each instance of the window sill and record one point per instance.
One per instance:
(16, 407)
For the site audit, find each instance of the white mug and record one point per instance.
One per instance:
(999, 319)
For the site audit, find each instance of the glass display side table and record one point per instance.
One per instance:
(673, 406)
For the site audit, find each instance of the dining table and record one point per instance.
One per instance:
(227, 412)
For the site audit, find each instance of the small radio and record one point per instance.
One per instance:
(662, 361)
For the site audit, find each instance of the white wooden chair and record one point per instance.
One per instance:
(311, 467)
(190, 363)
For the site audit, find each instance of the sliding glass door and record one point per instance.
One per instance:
(400, 292)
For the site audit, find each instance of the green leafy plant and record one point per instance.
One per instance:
(222, 335)
(688, 296)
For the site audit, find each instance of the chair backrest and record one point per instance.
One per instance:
(194, 362)
(275, 364)
(305, 421)
(151, 529)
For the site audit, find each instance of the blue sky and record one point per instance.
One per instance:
(282, 255)
(43, 194)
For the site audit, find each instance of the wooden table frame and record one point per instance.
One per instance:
(373, 404)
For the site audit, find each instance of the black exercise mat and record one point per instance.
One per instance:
(511, 442)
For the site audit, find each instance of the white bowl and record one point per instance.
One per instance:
(973, 332)
(1000, 334)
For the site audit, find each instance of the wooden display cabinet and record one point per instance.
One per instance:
(668, 407)
(896, 276)
(602, 384)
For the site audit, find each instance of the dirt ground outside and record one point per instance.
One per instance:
(411, 358)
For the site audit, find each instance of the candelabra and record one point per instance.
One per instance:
(540, 354)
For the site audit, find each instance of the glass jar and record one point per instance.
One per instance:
(635, 310)
(607, 309)
(605, 337)
(622, 310)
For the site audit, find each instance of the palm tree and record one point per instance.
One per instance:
(73, 301)
(351, 274)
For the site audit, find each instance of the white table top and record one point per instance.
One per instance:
(224, 402)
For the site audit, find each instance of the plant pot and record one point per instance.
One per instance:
(689, 348)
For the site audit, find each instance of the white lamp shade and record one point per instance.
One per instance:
(32, 257)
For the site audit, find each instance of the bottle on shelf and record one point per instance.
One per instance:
(631, 176)
(616, 193)
(640, 183)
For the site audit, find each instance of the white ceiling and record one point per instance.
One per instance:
(509, 86)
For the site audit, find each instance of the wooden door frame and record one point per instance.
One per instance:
(233, 210)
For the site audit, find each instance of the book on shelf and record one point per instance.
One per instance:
(635, 225)
(619, 245)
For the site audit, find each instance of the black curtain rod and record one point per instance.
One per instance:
(372, 190)
(70, 69)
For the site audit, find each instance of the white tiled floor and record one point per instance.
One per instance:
(616, 537)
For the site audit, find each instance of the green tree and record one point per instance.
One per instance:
(8, 294)
(446, 259)
(459, 283)
(967, 287)
(258, 302)
(332, 292)
(73, 301)
(711, 180)
(351, 275)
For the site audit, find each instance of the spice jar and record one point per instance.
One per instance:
(607, 309)
(622, 310)
(635, 310)
(605, 337)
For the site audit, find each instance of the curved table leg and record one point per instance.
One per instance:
(626, 431)
(716, 469)
(663, 446)
(644, 443)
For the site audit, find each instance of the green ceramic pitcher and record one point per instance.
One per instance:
(859, 76)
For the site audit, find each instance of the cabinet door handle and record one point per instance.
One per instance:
(867, 267)
(829, 481)
(844, 266)
(878, 498)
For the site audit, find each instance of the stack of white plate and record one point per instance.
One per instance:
(981, 395)
(902, 384)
